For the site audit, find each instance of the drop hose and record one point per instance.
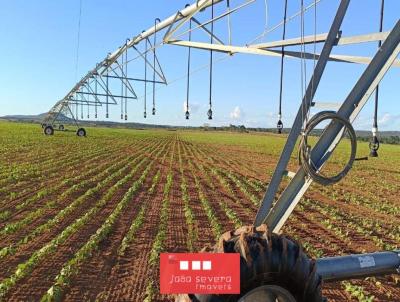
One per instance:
(305, 149)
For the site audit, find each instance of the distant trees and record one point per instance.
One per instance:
(239, 128)
(384, 139)
(390, 139)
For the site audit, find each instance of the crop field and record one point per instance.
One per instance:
(84, 219)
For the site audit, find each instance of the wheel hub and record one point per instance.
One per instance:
(268, 293)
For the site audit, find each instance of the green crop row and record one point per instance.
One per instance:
(71, 268)
(71, 183)
(116, 171)
(242, 187)
(227, 186)
(368, 228)
(25, 268)
(139, 219)
(66, 211)
(118, 166)
(158, 244)
(357, 292)
(49, 168)
(212, 217)
(189, 216)
(380, 205)
(230, 213)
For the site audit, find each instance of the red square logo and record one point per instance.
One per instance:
(202, 273)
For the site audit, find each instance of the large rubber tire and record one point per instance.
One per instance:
(267, 259)
(81, 132)
(48, 130)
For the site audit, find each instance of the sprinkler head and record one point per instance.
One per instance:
(95, 115)
(106, 115)
(144, 114)
(374, 147)
(122, 117)
(279, 126)
(209, 114)
(126, 117)
(153, 111)
(373, 153)
(187, 114)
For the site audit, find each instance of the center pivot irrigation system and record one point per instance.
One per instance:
(273, 267)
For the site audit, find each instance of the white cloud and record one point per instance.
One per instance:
(193, 107)
(364, 122)
(388, 118)
(264, 120)
(236, 114)
(386, 121)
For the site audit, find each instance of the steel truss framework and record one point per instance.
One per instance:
(96, 90)
(107, 84)
(274, 210)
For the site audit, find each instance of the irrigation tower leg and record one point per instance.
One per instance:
(296, 128)
(353, 104)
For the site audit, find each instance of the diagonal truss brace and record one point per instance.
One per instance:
(304, 107)
(215, 38)
(351, 107)
(199, 6)
(230, 49)
(159, 72)
(372, 37)
(168, 37)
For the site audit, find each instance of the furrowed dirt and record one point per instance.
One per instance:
(171, 191)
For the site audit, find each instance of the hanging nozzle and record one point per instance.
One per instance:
(279, 126)
(374, 145)
(209, 114)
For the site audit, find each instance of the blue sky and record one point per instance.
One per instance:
(39, 41)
